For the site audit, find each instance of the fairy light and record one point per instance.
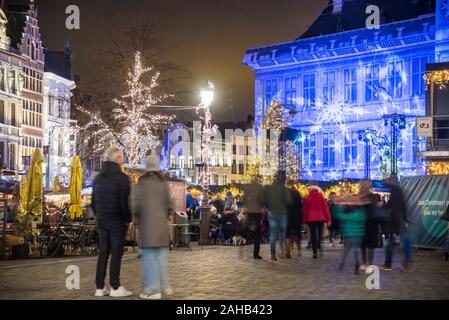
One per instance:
(136, 123)
(437, 167)
(440, 78)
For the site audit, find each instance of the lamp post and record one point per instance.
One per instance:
(370, 138)
(207, 97)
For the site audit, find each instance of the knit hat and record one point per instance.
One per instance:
(153, 163)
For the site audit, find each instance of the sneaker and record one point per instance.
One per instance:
(385, 268)
(154, 296)
(362, 267)
(101, 292)
(120, 292)
(168, 292)
(369, 270)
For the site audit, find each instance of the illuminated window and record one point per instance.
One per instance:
(394, 78)
(350, 85)
(371, 82)
(328, 150)
(418, 70)
(350, 147)
(309, 151)
(271, 91)
(328, 86)
(290, 92)
(309, 91)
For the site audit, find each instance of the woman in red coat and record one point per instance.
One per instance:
(316, 213)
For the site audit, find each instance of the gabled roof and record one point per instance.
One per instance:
(353, 15)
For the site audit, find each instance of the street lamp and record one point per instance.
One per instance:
(207, 98)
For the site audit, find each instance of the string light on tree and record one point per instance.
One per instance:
(136, 123)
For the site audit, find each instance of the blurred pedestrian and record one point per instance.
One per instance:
(396, 225)
(316, 213)
(110, 204)
(334, 228)
(252, 203)
(276, 199)
(351, 212)
(152, 207)
(372, 224)
(218, 204)
(229, 200)
(294, 222)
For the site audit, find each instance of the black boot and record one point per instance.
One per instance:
(446, 256)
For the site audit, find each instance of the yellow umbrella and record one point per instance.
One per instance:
(56, 185)
(22, 199)
(34, 187)
(76, 177)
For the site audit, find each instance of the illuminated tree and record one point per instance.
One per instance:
(136, 123)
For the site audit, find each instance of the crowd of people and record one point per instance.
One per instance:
(363, 221)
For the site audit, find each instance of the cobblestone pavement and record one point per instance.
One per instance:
(230, 273)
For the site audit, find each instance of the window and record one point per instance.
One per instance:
(350, 148)
(328, 150)
(271, 91)
(371, 82)
(241, 150)
(394, 78)
(234, 149)
(13, 115)
(309, 150)
(2, 111)
(2, 79)
(350, 85)
(234, 167)
(309, 90)
(290, 92)
(418, 71)
(328, 86)
(241, 168)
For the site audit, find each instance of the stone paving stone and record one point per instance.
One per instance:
(225, 273)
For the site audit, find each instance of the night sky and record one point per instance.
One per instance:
(212, 37)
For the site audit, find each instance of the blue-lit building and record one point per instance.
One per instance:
(340, 77)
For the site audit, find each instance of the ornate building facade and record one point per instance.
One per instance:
(343, 83)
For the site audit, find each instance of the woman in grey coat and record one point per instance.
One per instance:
(152, 207)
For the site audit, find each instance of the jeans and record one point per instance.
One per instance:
(367, 255)
(388, 248)
(278, 228)
(112, 241)
(154, 270)
(316, 230)
(351, 245)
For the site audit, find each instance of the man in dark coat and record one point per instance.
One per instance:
(396, 225)
(113, 218)
(294, 222)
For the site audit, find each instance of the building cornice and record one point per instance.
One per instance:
(392, 36)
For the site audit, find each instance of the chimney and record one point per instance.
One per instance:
(337, 6)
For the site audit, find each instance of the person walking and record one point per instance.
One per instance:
(276, 198)
(294, 222)
(152, 207)
(334, 229)
(316, 213)
(252, 205)
(396, 225)
(110, 205)
(372, 224)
